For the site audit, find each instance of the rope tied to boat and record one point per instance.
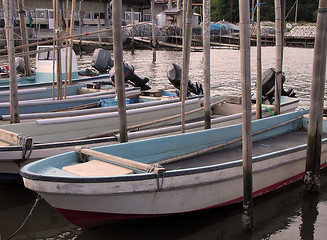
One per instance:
(157, 169)
(81, 156)
(153, 167)
(265, 107)
(37, 200)
(26, 142)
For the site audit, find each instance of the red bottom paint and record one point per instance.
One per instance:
(93, 219)
(85, 219)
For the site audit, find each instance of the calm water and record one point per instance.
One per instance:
(225, 68)
(287, 214)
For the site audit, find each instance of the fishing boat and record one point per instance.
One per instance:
(25, 142)
(102, 106)
(76, 100)
(45, 68)
(171, 175)
(43, 73)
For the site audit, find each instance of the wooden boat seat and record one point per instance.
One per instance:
(3, 143)
(11, 138)
(84, 153)
(97, 168)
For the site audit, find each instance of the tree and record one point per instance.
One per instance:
(228, 10)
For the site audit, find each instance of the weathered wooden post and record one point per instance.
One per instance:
(279, 55)
(132, 23)
(247, 218)
(259, 67)
(296, 9)
(312, 168)
(70, 64)
(186, 59)
(14, 108)
(80, 24)
(119, 70)
(23, 31)
(54, 48)
(99, 34)
(206, 62)
(66, 45)
(154, 40)
(58, 53)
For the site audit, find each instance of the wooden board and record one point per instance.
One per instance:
(8, 136)
(3, 144)
(97, 168)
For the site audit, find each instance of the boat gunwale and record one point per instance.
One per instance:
(40, 146)
(82, 79)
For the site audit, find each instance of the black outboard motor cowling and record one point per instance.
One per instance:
(268, 85)
(174, 73)
(131, 77)
(101, 60)
(19, 65)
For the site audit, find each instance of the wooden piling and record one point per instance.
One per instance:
(119, 70)
(71, 30)
(206, 63)
(133, 32)
(80, 24)
(58, 52)
(259, 67)
(23, 31)
(54, 48)
(154, 40)
(313, 157)
(247, 218)
(279, 55)
(186, 59)
(99, 34)
(14, 108)
(66, 45)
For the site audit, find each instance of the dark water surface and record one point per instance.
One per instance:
(286, 214)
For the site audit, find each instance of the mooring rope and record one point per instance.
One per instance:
(37, 200)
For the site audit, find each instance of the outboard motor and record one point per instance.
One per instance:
(131, 77)
(19, 65)
(174, 72)
(268, 85)
(101, 60)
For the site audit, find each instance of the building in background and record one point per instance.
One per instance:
(39, 13)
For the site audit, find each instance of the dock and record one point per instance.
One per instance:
(175, 43)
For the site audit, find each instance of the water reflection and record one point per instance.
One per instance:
(309, 213)
(15, 204)
(224, 68)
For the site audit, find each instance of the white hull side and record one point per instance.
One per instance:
(179, 193)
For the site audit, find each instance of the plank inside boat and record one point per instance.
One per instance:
(97, 168)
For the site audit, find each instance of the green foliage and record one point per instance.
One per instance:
(228, 10)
